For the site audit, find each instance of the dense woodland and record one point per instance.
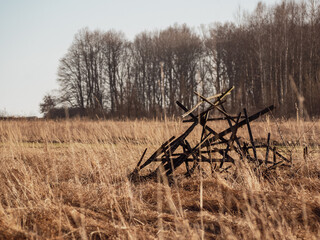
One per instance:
(271, 56)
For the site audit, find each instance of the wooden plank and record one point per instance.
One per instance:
(280, 155)
(214, 106)
(213, 119)
(267, 148)
(274, 165)
(201, 121)
(141, 158)
(243, 122)
(171, 145)
(204, 132)
(199, 103)
(195, 158)
(196, 150)
(218, 101)
(157, 152)
(185, 149)
(232, 138)
(250, 133)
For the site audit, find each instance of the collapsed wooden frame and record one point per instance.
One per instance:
(169, 158)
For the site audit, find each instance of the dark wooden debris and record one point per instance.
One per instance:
(219, 149)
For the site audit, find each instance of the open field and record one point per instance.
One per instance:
(67, 180)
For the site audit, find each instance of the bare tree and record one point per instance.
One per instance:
(48, 103)
(258, 55)
(114, 45)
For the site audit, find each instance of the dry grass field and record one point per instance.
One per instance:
(68, 180)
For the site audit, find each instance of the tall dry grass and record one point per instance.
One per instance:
(67, 180)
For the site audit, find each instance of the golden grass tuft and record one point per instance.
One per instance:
(68, 180)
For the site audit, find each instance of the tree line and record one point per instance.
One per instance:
(271, 56)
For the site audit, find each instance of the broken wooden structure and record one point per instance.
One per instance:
(219, 149)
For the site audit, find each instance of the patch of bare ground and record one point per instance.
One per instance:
(68, 180)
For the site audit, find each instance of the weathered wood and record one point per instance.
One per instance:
(232, 139)
(157, 153)
(218, 100)
(267, 148)
(280, 155)
(195, 158)
(172, 145)
(274, 165)
(141, 158)
(243, 122)
(200, 119)
(185, 149)
(199, 103)
(207, 160)
(213, 119)
(214, 106)
(230, 129)
(250, 133)
(204, 130)
(305, 153)
(170, 157)
(202, 122)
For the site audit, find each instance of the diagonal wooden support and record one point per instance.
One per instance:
(141, 158)
(242, 123)
(276, 153)
(171, 158)
(250, 134)
(204, 130)
(199, 103)
(218, 101)
(185, 149)
(267, 149)
(238, 150)
(172, 145)
(215, 106)
(202, 121)
(221, 135)
(213, 119)
(231, 140)
(195, 157)
(157, 153)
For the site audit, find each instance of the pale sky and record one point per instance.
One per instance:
(35, 34)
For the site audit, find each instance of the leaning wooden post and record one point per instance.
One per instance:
(305, 153)
(141, 158)
(267, 150)
(250, 134)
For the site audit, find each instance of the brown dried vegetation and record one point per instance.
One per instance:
(67, 180)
